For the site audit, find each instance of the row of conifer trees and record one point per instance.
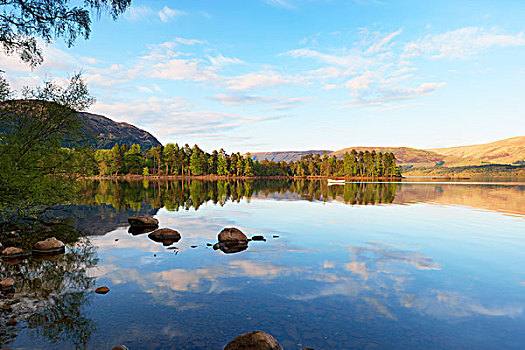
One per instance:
(193, 161)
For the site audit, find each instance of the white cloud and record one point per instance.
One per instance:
(168, 117)
(280, 3)
(383, 95)
(462, 43)
(145, 13)
(220, 61)
(181, 69)
(259, 80)
(168, 13)
(137, 13)
(380, 45)
(353, 60)
(236, 100)
(188, 41)
(360, 82)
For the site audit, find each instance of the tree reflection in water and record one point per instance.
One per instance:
(51, 295)
(185, 194)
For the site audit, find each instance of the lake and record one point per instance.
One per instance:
(421, 264)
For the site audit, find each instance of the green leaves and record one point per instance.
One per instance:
(22, 22)
(36, 171)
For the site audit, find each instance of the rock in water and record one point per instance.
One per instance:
(138, 230)
(232, 235)
(120, 347)
(102, 290)
(7, 284)
(258, 238)
(143, 221)
(165, 235)
(256, 340)
(49, 246)
(12, 253)
(235, 247)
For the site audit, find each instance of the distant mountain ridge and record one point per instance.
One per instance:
(286, 156)
(104, 133)
(507, 151)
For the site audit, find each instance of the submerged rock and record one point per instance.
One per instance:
(12, 253)
(231, 235)
(49, 246)
(256, 340)
(166, 236)
(7, 284)
(258, 238)
(139, 230)
(48, 257)
(143, 221)
(233, 247)
(102, 290)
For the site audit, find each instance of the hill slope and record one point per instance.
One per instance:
(508, 151)
(406, 156)
(505, 151)
(104, 133)
(286, 156)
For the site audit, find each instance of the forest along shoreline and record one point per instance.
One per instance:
(130, 177)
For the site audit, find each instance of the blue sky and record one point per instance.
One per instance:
(268, 75)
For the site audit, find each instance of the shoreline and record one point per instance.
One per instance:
(229, 177)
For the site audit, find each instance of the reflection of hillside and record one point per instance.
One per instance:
(103, 218)
(501, 198)
(107, 205)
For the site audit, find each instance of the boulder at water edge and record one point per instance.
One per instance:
(120, 347)
(256, 340)
(12, 253)
(165, 235)
(102, 290)
(49, 246)
(7, 284)
(232, 235)
(143, 221)
(233, 247)
(138, 230)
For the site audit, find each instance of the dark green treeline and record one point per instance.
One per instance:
(192, 161)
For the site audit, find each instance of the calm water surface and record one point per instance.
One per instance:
(360, 266)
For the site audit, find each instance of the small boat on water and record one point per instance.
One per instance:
(336, 181)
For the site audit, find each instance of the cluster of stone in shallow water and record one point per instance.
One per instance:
(49, 248)
(230, 240)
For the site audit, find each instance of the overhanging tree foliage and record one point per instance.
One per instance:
(23, 21)
(36, 172)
